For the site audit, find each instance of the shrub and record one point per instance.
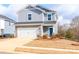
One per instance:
(69, 34)
(59, 36)
(8, 35)
(53, 37)
(45, 37)
(38, 37)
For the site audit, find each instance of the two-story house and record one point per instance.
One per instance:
(36, 20)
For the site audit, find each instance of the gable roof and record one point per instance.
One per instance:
(7, 18)
(40, 8)
(45, 9)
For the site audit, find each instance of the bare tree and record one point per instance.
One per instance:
(75, 26)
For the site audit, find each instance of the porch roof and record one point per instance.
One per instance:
(35, 23)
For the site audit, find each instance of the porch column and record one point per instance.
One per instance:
(41, 30)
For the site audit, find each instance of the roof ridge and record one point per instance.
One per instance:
(4, 16)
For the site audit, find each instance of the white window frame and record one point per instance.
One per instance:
(31, 16)
(51, 16)
(9, 23)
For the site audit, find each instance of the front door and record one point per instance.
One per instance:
(50, 31)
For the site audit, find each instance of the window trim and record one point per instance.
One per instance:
(48, 17)
(9, 23)
(27, 16)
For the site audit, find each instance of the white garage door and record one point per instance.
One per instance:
(27, 32)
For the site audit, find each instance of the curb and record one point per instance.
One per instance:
(56, 49)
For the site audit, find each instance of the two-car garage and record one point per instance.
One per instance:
(26, 32)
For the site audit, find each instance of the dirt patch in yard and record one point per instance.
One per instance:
(62, 44)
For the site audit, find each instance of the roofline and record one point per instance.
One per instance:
(36, 22)
(24, 8)
(37, 8)
(41, 7)
(2, 16)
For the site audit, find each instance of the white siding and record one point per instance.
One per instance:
(55, 28)
(9, 28)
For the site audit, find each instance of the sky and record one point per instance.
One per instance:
(66, 12)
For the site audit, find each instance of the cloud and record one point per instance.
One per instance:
(2, 9)
(68, 11)
(11, 10)
(14, 8)
(63, 21)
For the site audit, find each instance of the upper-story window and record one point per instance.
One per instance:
(29, 16)
(49, 16)
(9, 23)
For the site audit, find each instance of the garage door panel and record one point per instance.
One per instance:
(27, 32)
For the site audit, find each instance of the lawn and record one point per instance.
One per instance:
(44, 43)
(62, 43)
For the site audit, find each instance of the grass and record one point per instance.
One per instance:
(61, 44)
(65, 44)
(38, 51)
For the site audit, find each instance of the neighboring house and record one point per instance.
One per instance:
(7, 26)
(36, 20)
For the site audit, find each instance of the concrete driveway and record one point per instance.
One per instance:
(9, 44)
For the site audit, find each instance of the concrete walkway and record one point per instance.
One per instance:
(10, 44)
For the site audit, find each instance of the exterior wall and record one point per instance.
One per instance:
(1, 30)
(53, 17)
(55, 28)
(36, 15)
(9, 28)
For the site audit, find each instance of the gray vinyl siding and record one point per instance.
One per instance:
(37, 19)
(36, 15)
(53, 17)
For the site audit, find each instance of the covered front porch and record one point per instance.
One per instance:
(46, 30)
